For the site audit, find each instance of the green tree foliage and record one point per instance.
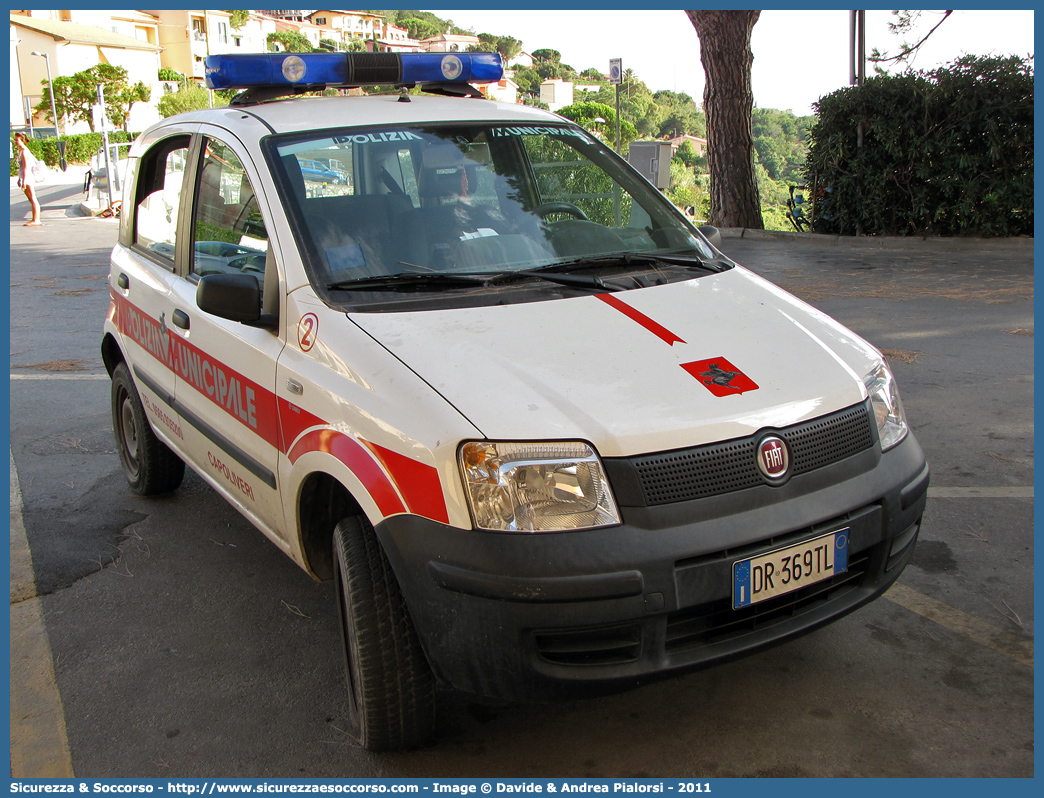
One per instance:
(945, 152)
(238, 18)
(687, 189)
(528, 81)
(291, 41)
(678, 114)
(549, 69)
(507, 46)
(166, 73)
(780, 143)
(639, 105)
(585, 114)
(419, 28)
(75, 95)
(79, 149)
(192, 97)
(686, 154)
(328, 44)
(71, 101)
(402, 18)
(545, 54)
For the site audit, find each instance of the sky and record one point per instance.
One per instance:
(798, 55)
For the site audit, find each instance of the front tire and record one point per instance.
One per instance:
(149, 464)
(391, 690)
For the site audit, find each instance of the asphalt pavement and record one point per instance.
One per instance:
(167, 638)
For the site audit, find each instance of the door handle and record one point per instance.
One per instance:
(180, 319)
(123, 281)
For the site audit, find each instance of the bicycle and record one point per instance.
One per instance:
(796, 211)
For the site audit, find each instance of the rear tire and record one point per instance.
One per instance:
(391, 690)
(149, 464)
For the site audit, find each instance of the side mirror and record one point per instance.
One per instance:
(712, 234)
(236, 297)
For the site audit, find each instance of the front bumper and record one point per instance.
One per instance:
(543, 615)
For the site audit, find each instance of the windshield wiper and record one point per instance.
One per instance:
(636, 259)
(411, 279)
(552, 274)
(574, 280)
(438, 279)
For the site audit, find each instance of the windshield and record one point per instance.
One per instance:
(423, 209)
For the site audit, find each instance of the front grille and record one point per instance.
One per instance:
(718, 621)
(607, 645)
(687, 474)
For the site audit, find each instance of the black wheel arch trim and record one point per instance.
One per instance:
(917, 487)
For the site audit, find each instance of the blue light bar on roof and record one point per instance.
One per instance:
(248, 71)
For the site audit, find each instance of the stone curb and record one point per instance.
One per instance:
(954, 244)
(90, 209)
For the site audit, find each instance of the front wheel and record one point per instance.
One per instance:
(391, 690)
(149, 464)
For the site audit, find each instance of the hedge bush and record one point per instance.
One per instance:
(945, 152)
(79, 149)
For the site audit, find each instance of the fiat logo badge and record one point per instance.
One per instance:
(773, 457)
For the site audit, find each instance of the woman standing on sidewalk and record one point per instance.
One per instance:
(27, 165)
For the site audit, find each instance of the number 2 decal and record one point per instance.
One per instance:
(307, 331)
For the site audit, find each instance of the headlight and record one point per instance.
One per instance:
(888, 408)
(536, 487)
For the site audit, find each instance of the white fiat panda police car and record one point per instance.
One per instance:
(540, 431)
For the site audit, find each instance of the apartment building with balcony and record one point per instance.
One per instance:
(189, 36)
(343, 26)
(252, 36)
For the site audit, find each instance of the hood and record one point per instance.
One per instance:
(647, 370)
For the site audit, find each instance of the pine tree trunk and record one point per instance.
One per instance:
(728, 102)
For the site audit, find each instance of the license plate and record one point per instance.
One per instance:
(789, 569)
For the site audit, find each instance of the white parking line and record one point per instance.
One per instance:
(59, 376)
(953, 619)
(39, 744)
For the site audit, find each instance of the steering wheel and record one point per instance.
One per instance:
(546, 208)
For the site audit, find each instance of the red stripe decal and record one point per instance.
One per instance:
(418, 483)
(658, 330)
(294, 420)
(281, 423)
(250, 404)
(358, 461)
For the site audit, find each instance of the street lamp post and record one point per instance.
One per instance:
(50, 85)
(54, 112)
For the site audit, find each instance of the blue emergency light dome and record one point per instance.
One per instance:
(299, 70)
